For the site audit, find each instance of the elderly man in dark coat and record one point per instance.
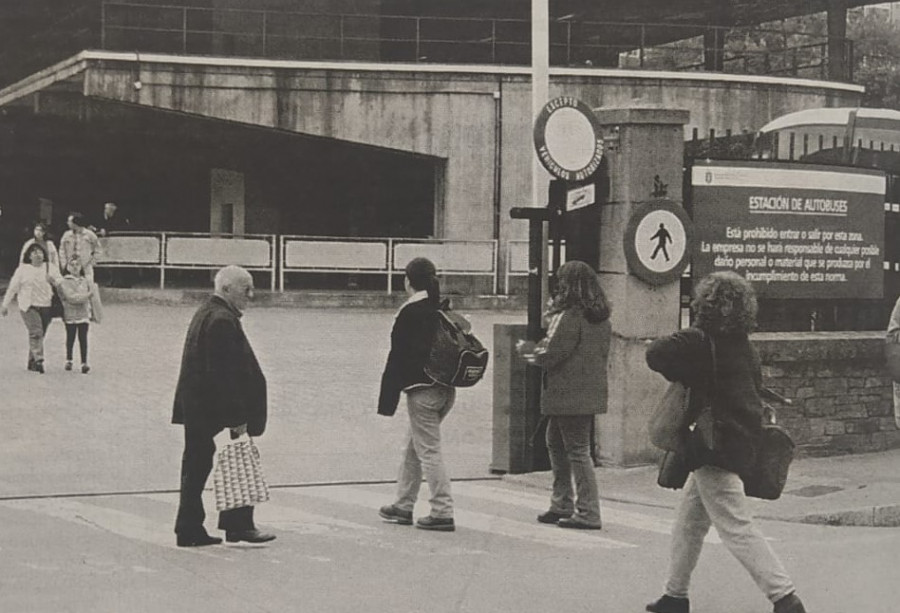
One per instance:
(220, 386)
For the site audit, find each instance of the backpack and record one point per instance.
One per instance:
(457, 358)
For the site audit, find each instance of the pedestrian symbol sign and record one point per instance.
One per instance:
(657, 242)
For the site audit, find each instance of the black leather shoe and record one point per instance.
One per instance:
(668, 604)
(394, 515)
(249, 536)
(578, 524)
(441, 524)
(552, 517)
(197, 540)
(789, 604)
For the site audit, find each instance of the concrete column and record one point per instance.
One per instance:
(226, 201)
(838, 64)
(645, 162)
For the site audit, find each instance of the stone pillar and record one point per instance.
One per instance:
(646, 156)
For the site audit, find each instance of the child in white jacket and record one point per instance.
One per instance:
(79, 297)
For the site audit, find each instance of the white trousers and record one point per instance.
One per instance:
(713, 496)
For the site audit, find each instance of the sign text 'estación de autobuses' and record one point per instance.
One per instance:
(793, 230)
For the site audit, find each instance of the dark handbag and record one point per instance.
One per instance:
(769, 473)
(670, 418)
(56, 305)
(673, 471)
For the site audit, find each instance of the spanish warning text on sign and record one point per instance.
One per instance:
(794, 231)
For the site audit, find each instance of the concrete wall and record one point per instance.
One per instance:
(476, 120)
(843, 400)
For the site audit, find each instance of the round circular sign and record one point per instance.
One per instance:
(567, 139)
(657, 242)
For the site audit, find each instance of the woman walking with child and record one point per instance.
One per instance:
(32, 287)
(80, 306)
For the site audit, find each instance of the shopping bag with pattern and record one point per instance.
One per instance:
(238, 479)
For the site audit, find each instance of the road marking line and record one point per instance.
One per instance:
(537, 502)
(116, 522)
(482, 522)
(288, 518)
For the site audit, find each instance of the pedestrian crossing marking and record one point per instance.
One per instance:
(292, 517)
(482, 522)
(289, 518)
(537, 502)
(117, 522)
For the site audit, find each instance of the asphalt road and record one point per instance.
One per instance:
(109, 430)
(108, 433)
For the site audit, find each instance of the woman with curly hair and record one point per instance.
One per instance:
(715, 359)
(573, 357)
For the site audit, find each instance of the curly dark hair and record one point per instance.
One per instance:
(578, 286)
(724, 303)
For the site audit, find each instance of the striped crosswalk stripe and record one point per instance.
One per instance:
(482, 522)
(538, 502)
(93, 514)
(288, 511)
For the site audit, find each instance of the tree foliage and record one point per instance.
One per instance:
(877, 57)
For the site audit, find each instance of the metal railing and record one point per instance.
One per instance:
(459, 40)
(517, 259)
(280, 255)
(188, 250)
(385, 256)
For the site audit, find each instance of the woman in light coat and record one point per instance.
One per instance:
(573, 357)
(32, 286)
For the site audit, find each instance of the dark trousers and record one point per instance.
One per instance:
(82, 331)
(196, 464)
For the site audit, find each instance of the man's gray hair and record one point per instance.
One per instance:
(227, 277)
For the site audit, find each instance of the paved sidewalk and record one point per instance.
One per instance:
(851, 490)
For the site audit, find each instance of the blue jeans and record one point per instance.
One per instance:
(569, 445)
(428, 406)
(714, 496)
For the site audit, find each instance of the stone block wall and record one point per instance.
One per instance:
(842, 395)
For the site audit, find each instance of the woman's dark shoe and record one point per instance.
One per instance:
(39, 366)
(579, 524)
(85, 369)
(68, 364)
(668, 604)
(552, 517)
(789, 604)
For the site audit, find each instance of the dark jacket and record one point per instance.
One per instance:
(686, 356)
(411, 339)
(574, 358)
(220, 384)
